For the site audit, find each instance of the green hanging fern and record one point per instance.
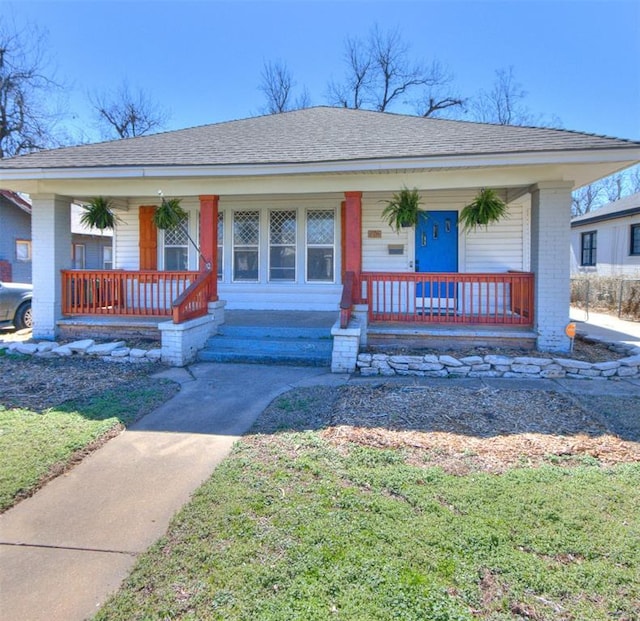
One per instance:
(169, 215)
(403, 209)
(98, 214)
(486, 208)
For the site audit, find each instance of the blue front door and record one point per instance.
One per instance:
(437, 248)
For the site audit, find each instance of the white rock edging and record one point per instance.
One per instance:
(115, 351)
(179, 343)
(523, 367)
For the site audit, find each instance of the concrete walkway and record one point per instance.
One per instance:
(606, 327)
(64, 550)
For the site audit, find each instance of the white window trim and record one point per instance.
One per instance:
(84, 256)
(104, 261)
(220, 243)
(26, 243)
(293, 281)
(162, 245)
(258, 246)
(332, 246)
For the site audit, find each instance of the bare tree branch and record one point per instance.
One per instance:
(276, 83)
(379, 73)
(586, 199)
(123, 113)
(303, 100)
(438, 95)
(503, 104)
(393, 73)
(358, 80)
(593, 196)
(26, 119)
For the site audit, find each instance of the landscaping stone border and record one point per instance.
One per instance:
(523, 367)
(116, 351)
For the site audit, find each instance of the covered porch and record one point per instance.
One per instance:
(358, 248)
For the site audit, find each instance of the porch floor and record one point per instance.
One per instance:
(292, 319)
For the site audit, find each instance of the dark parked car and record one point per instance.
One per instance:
(15, 305)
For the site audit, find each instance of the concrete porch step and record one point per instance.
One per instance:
(269, 345)
(254, 357)
(274, 332)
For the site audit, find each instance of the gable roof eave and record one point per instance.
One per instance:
(621, 208)
(595, 218)
(627, 156)
(17, 200)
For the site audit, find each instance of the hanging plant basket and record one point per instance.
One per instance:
(169, 214)
(486, 208)
(403, 209)
(98, 214)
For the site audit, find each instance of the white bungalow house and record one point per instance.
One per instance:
(287, 209)
(606, 241)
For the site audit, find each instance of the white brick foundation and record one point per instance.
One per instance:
(181, 341)
(346, 344)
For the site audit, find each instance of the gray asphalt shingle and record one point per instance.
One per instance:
(320, 134)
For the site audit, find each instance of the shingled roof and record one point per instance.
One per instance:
(320, 134)
(627, 206)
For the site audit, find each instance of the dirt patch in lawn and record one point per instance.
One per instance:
(461, 429)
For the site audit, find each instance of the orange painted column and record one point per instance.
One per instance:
(353, 238)
(209, 238)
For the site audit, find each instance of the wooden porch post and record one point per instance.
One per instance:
(209, 238)
(353, 239)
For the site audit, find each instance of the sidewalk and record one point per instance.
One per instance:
(64, 550)
(606, 327)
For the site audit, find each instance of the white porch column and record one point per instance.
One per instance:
(550, 250)
(51, 242)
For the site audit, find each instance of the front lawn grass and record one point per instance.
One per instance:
(291, 527)
(37, 445)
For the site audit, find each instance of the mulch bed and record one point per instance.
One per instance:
(462, 430)
(465, 430)
(40, 383)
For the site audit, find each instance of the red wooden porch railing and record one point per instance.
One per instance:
(122, 292)
(499, 299)
(193, 302)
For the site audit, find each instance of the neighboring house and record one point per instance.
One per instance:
(287, 209)
(15, 238)
(607, 241)
(89, 248)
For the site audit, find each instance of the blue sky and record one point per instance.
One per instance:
(577, 60)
